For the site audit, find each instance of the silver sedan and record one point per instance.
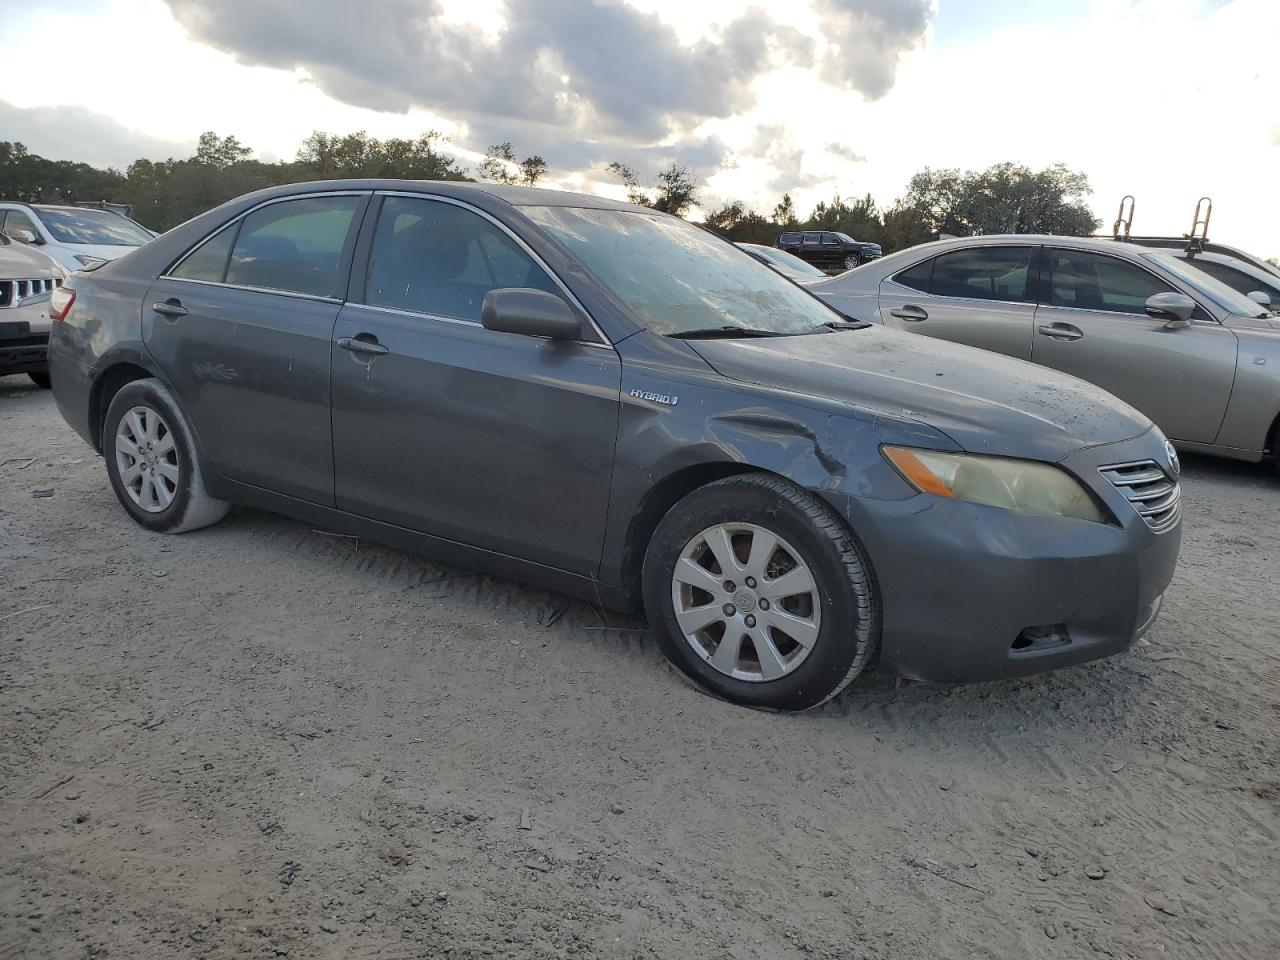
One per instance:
(1199, 358)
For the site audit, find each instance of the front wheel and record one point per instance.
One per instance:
(756, 590)
(851, 261)
(152, 463)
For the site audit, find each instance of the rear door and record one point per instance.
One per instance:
(487, 438)
(1093, 324)
(983, 296)
(242, 328)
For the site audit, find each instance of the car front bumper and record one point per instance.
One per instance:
(970, 592)
(24, 338)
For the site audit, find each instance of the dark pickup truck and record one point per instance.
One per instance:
(827, 249)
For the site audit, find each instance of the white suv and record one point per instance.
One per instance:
(76, 237)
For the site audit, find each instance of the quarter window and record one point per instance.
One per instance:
(983, 273)
(299, 246)
(209, 260)
(1090, 281)
(917, 277)
(441, 259)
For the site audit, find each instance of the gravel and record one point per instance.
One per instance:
(303, 745)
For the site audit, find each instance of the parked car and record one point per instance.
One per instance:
(1260, 286)
(824, 248)
(73, 236)
(790, 266)
(610, 402)
(1200, 359)
(27, 279)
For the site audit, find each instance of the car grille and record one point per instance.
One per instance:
(1153, 493)
(13, 292)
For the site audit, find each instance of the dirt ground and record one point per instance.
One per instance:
(264, 740)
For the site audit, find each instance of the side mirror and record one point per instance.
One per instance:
(1260, 298)
(27, 237)
(533, 313)
(1174, 308)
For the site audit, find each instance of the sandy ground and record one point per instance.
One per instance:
(262, 740)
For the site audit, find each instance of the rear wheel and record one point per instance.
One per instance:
(756, 590)
(152, 463)
(41, 379)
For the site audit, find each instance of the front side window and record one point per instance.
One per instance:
(441, 259)
(296, 246)
(676, 278)
(92, 226)
(1091, 281)
(983, 273)
(830, 238)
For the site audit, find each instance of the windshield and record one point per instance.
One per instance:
(92, 226)
(788, 260)
(677, 278)
(1217, 291)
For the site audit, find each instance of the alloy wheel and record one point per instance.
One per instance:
(851, 262)
(746, 602)
(147, 459)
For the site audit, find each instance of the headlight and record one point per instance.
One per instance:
(1023, 485)
(87, 261)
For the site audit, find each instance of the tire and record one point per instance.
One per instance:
(851, 261)
(41, 379)
(840, 616)
(170, 495)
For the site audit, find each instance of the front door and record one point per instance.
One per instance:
(493, 439)
(982, 296)
(1093, 324)
(242, 328)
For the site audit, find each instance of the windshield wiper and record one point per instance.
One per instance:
(728, 332)
(846, 324)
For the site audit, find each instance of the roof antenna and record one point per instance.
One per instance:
(1123, 219)
(1199, 235)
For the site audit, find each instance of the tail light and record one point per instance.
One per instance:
(60, 302)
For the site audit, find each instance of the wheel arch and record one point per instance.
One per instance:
(106, 385)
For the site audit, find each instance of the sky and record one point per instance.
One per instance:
(1168, 100)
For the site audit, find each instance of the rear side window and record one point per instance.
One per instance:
(441, 259)
(983, 273)
(298, 246)
(811, 237)
(917, 277)
(1091, 281)
(209, 260)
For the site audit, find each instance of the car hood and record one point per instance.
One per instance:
(985, 402)
(20, 263)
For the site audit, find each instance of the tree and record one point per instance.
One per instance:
(736, 223)
(532, 170)
(784, 214)
(219, 153)
(676, 190)
(500, 164)
(1005, 198)
(635, 193)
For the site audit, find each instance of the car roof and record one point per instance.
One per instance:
(517, 196)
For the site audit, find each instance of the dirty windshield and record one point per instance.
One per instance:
(677, 278)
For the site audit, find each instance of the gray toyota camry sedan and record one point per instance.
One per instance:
(609, 402)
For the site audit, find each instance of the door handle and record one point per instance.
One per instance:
(364, 343)
(910, 312)
(1060, 331)
(171, 308)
